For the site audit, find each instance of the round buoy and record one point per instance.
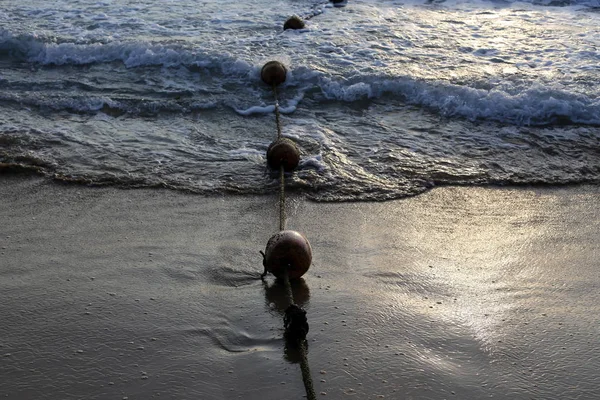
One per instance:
(293, 22)
(284, 152)
(288, 250)
(273, 73)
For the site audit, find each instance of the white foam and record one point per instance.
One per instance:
(248, 154)
(131, 54)
(314, 162)
(537, 104)
(353, 92)
(256, 110)
(291, 106)
(298, 128)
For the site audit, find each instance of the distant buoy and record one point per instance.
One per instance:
(273, 73)
(294, 22)
(284, 152)
(288, 250)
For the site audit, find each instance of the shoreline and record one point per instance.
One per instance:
(10, 172)
(463, 292)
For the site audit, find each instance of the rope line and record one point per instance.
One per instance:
(304, 367)
(281, 171)
(277, 117)
(295, 320)
(306, 377)
(281, 199)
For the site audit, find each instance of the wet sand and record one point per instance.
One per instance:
(462, 292)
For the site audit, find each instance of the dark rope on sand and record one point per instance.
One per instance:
(296, 328)
(294, 321)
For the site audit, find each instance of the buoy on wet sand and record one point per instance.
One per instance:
(273, 73)
(294, 22)
(338, 3)
(284, 152)
(288, 250)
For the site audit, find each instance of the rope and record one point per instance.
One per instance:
(281, 172)
(281, 199)
(277, 119)
(296, 325)
(299, 342)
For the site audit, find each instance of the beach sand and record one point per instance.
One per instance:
(462, 292)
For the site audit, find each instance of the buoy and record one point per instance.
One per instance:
(284, 152)
(294, 22)
(288, 250)
(273, 73)
(337, 1)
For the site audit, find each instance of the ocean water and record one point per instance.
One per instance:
(385, 98)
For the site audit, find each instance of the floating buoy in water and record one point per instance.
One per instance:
(284, 152)
(288, 250)
(273, 73)
(294, 22)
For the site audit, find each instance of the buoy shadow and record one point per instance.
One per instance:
(275, 294)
